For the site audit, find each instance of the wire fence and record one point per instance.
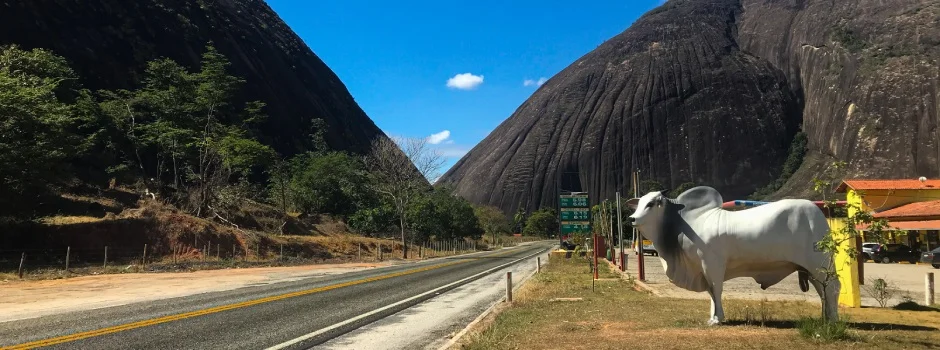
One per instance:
(107, 259)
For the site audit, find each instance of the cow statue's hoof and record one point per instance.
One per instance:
(714, 321)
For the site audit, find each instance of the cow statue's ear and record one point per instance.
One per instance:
(664, 192)
(633, 203)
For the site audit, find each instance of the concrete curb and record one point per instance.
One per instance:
(494, 307)
(642, 285)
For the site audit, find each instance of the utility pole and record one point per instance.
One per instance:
(636, 234)
(623, 264)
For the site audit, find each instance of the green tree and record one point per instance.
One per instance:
(41, 108)
(329, 183)
(443, 215)
(401, 173)
(492, 220)
(647, 186)
(186, 127)
(685, 186)
(542, 223)
(833, 242)
(370, 221)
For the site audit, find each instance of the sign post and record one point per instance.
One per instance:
(575, 216)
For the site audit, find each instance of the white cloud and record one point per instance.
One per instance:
(531, 82)
(437, 138)
(465, 81)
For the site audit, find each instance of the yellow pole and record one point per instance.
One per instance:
(846, 265)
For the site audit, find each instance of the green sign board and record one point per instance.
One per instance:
(574, 201)
(575, 227)
(575, 214)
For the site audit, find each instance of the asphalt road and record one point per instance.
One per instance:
(289, 315)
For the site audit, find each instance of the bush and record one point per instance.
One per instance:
(330, 183)
(542, 223)
(822, 331)
(370, 221)
(880, 290)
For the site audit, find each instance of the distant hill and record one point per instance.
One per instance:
(714, 92)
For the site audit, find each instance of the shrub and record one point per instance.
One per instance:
(880, 290)
(819, 330)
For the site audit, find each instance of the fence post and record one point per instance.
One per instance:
(281, 257)
(105, 257)
(20, 270)
(218, 255)
(928, 283)
(508, 286)
(359, 251)
(68, 251)
(538, 264)
(143, 261)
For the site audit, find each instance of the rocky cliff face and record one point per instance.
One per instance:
(712, 92)
(109, 42)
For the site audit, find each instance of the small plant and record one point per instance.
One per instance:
(880, 290)
(820, 330)
(764, 312)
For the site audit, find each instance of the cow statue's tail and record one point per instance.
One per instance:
(804, 280)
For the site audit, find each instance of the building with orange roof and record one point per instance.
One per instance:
(911, 206)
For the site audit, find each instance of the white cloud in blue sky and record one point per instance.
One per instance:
(532, 82)
(436, 139)
(465, 81)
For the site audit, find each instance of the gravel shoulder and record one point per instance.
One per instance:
(907, 279)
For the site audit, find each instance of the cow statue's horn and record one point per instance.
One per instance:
(664, 192)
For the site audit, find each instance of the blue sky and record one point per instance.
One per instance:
(451, 68)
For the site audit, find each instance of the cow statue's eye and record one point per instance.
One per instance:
(649, 205)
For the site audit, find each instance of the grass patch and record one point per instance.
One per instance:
(69, 220)
(821, 331)
(615, 316)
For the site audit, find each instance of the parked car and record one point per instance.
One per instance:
(932, 257)
(648, 248)
(867, 249)
(895, 252)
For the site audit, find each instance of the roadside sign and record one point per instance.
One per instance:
(575, 214)
(575, 227)
(574, 201)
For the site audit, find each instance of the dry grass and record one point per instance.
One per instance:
(615, 316)
(68, 220)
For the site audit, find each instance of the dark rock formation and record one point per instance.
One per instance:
(109, 42)
(712, 92)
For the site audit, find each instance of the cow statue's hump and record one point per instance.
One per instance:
(700, 198)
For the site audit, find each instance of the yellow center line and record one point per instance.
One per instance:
(185, 315)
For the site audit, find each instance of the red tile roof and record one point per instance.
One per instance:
(895, 184)
(910, 225)
(929, 208)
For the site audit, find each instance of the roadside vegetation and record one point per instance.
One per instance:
(181, 163)
(615, 315)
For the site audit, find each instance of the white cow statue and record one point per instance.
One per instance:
(702, 245)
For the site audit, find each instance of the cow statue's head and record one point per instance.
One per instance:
(649, 209)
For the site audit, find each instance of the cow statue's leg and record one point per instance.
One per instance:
(715, 276)
(828, 293)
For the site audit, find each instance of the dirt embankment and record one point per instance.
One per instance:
(126, 233)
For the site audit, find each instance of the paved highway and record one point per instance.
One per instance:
(290, 315)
